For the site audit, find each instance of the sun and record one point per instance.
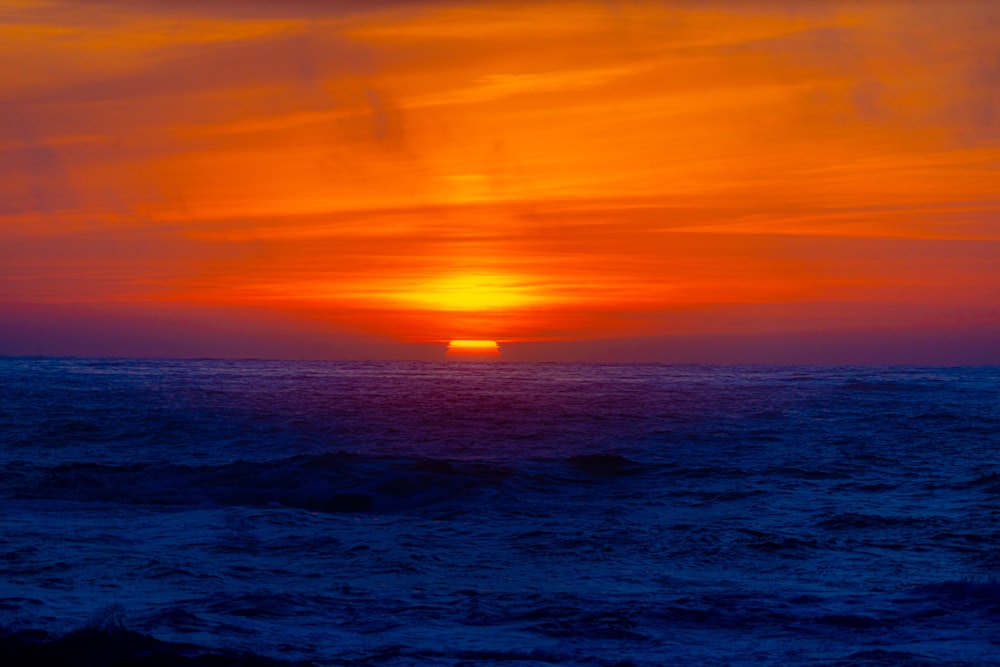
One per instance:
(473, 350)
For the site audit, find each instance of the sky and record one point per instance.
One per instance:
(729, 181)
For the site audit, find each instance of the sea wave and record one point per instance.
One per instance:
(278, 513)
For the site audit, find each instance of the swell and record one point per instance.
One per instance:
(647, 630)
(350, 482)
(330, 483)
(119, 646)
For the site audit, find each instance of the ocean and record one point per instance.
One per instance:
(218, 512)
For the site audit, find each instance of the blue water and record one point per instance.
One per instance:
(393, 513)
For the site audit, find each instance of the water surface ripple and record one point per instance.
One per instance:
(396, 513)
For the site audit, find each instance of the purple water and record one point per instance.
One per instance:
(349, 513)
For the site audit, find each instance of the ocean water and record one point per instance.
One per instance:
(394, 513)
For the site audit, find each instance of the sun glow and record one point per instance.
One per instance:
(471, 292)
(473, 349)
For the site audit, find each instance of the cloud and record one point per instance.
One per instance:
(43, 182)
(299, 62)
(68, 12)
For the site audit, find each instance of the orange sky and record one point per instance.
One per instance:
(304, 178)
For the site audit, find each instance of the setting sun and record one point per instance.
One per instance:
(473, 349)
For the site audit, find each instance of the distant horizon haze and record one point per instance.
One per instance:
(41, 331)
